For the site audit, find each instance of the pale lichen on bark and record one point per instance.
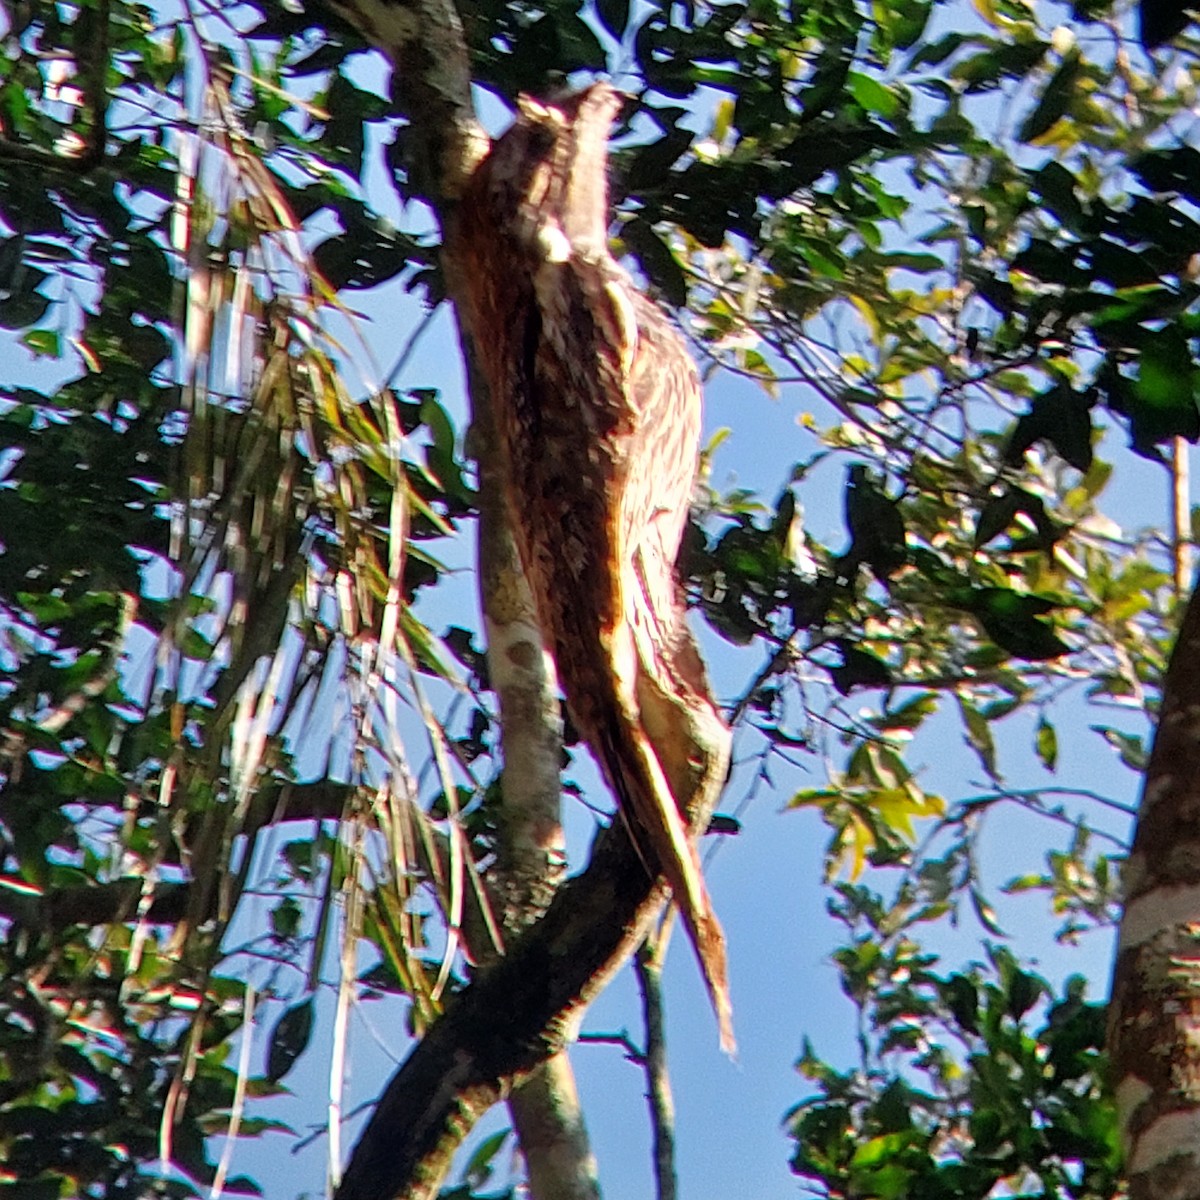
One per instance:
(531, 864)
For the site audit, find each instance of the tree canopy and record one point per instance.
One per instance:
(960, 240)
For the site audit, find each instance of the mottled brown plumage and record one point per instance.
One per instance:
(597, 405)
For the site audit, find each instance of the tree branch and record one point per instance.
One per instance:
(531, 855)
(554, 1142)
(431, 82)
(509, 1019)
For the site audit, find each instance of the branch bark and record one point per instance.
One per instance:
(525, 1008)
(1154, 1022)
(550, 1128)
(431, 81)
(513, 1016)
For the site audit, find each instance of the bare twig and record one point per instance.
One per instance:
(1181, 516)
(647, 963)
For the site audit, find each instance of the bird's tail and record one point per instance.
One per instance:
(642, 790)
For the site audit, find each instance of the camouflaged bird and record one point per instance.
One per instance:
(597, 407)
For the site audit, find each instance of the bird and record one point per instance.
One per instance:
(597, 407)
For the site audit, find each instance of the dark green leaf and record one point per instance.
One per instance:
(985, 913)
(289, 1039)
(657, 260)
(1161, 20)
(877, 533)
(479, 1167)
(1055, 99)
(1176, 169)
(1011, 620)
(1061, 417)
(1046, 743)
(962, 998)
(859, 668)
(614, 16)
(996, 516)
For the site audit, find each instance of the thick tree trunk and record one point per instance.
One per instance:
(1154, 1029)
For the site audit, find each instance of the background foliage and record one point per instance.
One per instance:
(963, 236)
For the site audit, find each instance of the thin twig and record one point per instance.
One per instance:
(409, 346)
(1181, 522)
(633, 1052)
(239, 1096)
(647, 963)
(1034, 795)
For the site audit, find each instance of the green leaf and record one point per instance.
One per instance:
(1116, 264)
(1023, 993)
(614, 16)
(874, 96)
(22, 309)
(996, 516)
(1046, 744)
(935, 53)
(859, 668)
(979, 735)
(961, 996)
(479, 1167)
(1060, 416)
(1158, 403)
(1011, 60)
(289, 1039)
(1010, 619)
(1161, 20)
(1056, 186)
(1129, 746)
(876, 526)
(286, 917)
(1055, 99)
(1165, 373)
(906, 20)
(657, 260)
(985, 913)
(45, 343)
(909, 715)
(1175, 169)
(909, 260)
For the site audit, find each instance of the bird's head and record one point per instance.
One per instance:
(546, 176)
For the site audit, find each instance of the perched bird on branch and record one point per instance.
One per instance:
(596, 404)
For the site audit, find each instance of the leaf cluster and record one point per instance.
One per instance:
(970, 1080)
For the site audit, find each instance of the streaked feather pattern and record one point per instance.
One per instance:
(597, 403)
